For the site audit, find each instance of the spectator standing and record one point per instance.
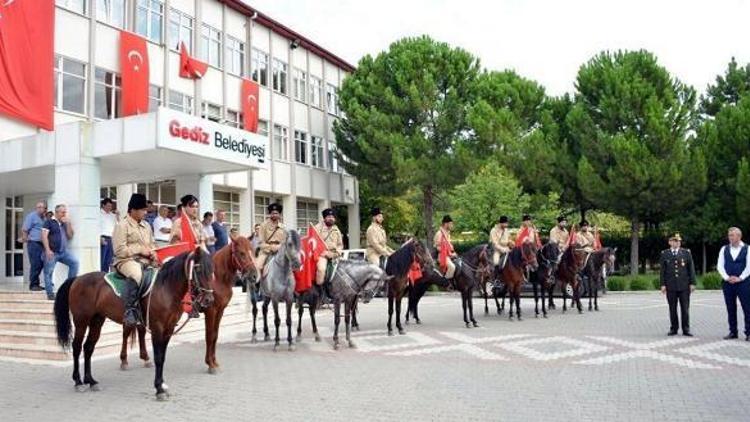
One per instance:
(208, 232)
(107, 222)
(151, 213)
(734, 267)
(31, 234)
(162, 227)
(56, 234)
(220, 230)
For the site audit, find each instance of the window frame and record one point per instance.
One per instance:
(139, 8)
(317, 152)
(71, 6)
(207, 106)
(259, 73)
(299, 85)
(59, 73)
(279, 76)
(234, 47)
(106, 16)
(301, 153)
(113, 92)
(213, 37)
(181, 17)
(283, 142)
(186, 102)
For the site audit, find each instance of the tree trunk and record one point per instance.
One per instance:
(427, 197)
(703, 265)
(583, 215)
(634, 246)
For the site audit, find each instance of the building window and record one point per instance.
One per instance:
(262, 127)
(280, 71)
(300, 85)
(332, 99)
(211, 45)
(300, 147)
(333, 161)
(307, 213)
(78, 6)
(259, 64)
(111, 12)
(107, 94)
(180, 102)
(235, 56)
(316, 151)
(211, 112)
(316, 91)
(149, 16)
(70, 85)
(161, 193)
(261, 205)
(229, 202)
(180, 30)
(280, 142)
(154, 97)
(233, 118)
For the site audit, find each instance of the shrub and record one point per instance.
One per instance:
(641, 283)
(710, 281)
(657, 283)
(616, 283)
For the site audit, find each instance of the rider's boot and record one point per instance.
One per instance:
(132, 315)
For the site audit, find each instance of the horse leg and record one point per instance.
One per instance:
(497, 302)
(590, 282)
(347, 321)
(355, 322)
(544, 305)
(266, 334)
(142, 346)
(276, 323)
(126, 331)
(510, 304)
(564, 290)
(416, 310)
(81, 324)
(409, 301)
(596, 297)
(95, 330)
(486, 308)
(517, 295)
(212, 335)
(463, 308)
(289, 339)
(398, 316)
(536, 299)
(255, 316)
(550, 291)
(311, 309)
(159, 344)
(300, 311)
(336, 321)
(390, 314)
(471, 309)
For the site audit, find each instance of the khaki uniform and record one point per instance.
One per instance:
(501, 243)
(585, 241)
(334, 241)
(272, 235)
(377, 244)
(559, 236)
(133, 243)
(197, 226)
(445, 236)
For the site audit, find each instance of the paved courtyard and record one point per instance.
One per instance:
(616, 364)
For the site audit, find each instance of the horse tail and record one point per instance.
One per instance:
(62, 314)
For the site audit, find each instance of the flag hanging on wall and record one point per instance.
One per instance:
(249, 101)
(135, 77)
(189, 67)
(27, 29)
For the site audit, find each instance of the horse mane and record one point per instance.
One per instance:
(515, 257)
(472, 255)
(400, 261)
(174, 269)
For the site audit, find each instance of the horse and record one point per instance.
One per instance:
(567, 274)
(91, 301)
(277, 284)
(542, 279)
(593, 273)
(475, 270)
(417, 289)
(397, 268)
(520, 260)
(228, 261)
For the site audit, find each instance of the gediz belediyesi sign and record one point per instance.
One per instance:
(183, 132)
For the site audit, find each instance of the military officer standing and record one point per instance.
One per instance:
(377, 240)
(677, 282)
(272, 234)
(501, 242)
(559, 234)
(134, 248)
(333, 240)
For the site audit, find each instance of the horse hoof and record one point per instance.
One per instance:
(124, 366)
(580, 311)
(468, 325)
(298, 339)
(213, 371)
(519, 318)
(418, 321)
(291, 348)
(544, 316)
(267, 337)
(276, 347)
(536, 315)
(147, 364)
(317, 338)
(510, 318)
(253, 340)
(352, 345)
(355, 327)
(82, 388)
(162, 396)
(390, 332)
(406, 322)
(596, 309)
(401, 331)
(475, 324)
(335, 346)
(95, 387)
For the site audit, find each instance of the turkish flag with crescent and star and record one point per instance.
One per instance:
(312, 248)
(249, 100)
(134, 66)
(27, 87)
(190, 67)
(572, 237)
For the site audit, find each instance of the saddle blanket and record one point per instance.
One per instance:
(117, 282)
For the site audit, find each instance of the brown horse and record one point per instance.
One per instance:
(228, 261)
(91, 301)
(520, 260)
(474, 271)
(567, 275)
(397, 268)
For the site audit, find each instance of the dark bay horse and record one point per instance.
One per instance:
(548, 257)
(520, 260)
(475, 271)
(567, 275)
(228, 261)
(91, 301)
(397, 268)
(417, 289)
(593, 273)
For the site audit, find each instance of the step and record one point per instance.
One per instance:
(23, 295)
(52, 353)
(11, 324)
(30, 304)
(27, 314)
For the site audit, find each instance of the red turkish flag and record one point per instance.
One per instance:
(415, 272)
(572, 238)
(523, 234)
(134, 67)
(445, 249)
(312, 248)
(249, 100)
(186, 232)
(190, 68)
(27, 87)
(597, 240)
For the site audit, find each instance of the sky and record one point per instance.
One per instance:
(544, 40)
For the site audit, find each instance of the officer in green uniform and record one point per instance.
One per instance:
(677, 282)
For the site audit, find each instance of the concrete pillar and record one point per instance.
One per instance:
(354, 231)
(247, 206)
(3, 234)
(123, 197)
(200, 186)
(289, 203)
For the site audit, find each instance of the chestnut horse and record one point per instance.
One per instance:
(228, 261)
(567, 275)
(520, 260)
(91, 301)
(397, 268)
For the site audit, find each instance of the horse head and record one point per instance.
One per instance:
(421, 254)
(528, 256)
(292, 249)
(199, 269)
(242, 255)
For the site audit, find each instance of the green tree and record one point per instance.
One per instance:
(636, 160)
(405, 123)
(728, 89)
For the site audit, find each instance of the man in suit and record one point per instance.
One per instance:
(677, 282)
(734, 268)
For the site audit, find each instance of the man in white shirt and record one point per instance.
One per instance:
(162, 227)
(208, 231)
(107, 222)
(734, 268)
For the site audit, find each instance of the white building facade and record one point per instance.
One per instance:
(95, 153)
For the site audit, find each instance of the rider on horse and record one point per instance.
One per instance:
(377, 240)
(190, 211)
(528, 232)
(442, 242)
(334, 242)
(272, 236)
(501, 242)
(134, 249)
(559, 234)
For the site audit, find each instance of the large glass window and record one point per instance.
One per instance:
(154, 97)
(316, 151)
(180, 102)
(111, 12)
(307, 213)
(160, 193)
(233, 118)
(78, 6)
(149, 16)
(333, 161)
(229, 202)
(300, 85)
(235, 56)
(107, 94)
(211, 112)
(70, 85)
(262, 127)
(259, 65)
(332, 99)
(261, 206)
(280, 74)
(180, 30)
(280, 142)
(300, 147)
(211, 45)
(316, 91)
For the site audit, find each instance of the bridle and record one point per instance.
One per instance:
(191, 271)
(236, 263)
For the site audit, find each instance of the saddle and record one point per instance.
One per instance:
(117, 281)
(330, 270)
